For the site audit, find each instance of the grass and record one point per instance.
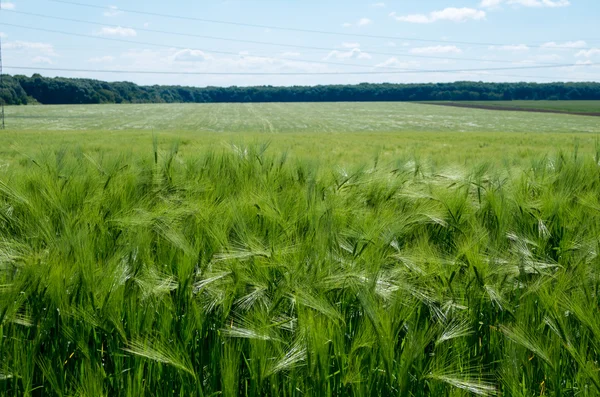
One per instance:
(299, 118)
(225, 266)
(337, 134)
(558, 106)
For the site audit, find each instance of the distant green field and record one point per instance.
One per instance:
(557, 106)
(287, 118)
(337, 133)
(298, 250)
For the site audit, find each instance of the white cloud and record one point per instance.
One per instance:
(394, 62)
(513, 48)
(414, 18)
(526, 3)
(490, 3)
(352, 53)
(104, 59)
(8, 5)
(189, 55)
(568, 44)
(3, 35)
(163, 59)
(290, 54)
(451, 14)
(113, 11)
(588, 53)
(440, 49)
(117, 31)
(588, 62)
(360, 23)
(42, 48)
(547, 57)
(540, 3)
(41, 59)
(378, 5)
(350, 45)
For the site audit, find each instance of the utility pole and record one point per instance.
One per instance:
(2, 126)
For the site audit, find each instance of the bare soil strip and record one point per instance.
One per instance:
(509, 109)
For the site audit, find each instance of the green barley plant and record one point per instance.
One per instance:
(242, 271)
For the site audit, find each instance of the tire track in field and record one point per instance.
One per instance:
(257, 114)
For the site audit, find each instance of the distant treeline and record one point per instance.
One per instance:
(21, 90)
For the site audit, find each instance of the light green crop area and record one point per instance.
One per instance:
(287, 118)
(340, 133)
(298, 250)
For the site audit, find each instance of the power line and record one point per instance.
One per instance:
(2, 125)
(397, 70)
(143, 43)
(551, 79)
(422, 71)
(322, 32)
(261, 42)
(555, 79)
(252, 74)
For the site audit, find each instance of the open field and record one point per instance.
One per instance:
(343, 133)
(287, 118)
(365, 250)
(575, 107)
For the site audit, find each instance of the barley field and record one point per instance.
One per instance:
(334, 133)
(346, 117)
(298, 250)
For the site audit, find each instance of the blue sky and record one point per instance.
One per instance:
(448, 37)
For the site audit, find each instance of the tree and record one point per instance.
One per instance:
(18, 90)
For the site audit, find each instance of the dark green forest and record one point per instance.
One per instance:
(22, 90)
